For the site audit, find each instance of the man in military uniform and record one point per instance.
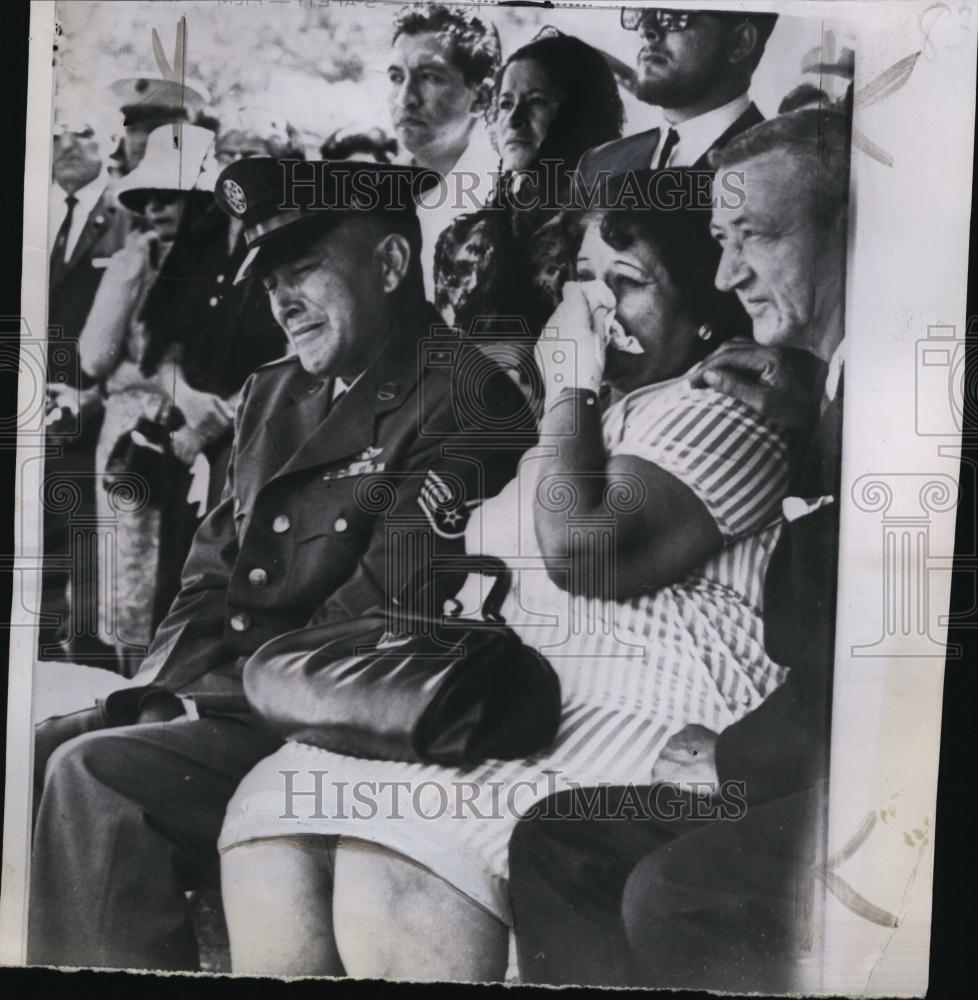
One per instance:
(351, 470)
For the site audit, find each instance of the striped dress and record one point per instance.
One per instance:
(632, 672)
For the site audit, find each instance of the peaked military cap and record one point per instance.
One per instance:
(285, 203)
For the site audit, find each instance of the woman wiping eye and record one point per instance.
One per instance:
(669, 546)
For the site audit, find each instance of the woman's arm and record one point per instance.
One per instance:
(101, 342)
(687, 476)
(613, 526)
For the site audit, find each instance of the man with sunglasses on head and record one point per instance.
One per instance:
(696, 66)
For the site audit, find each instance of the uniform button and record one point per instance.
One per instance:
(213, 300)
(240, 623)
(387, 392)
(258, 577)
(220, 279)
(281, 523)
(340, 525)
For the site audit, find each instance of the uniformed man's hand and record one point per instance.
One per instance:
(688, 760)
(781, 385)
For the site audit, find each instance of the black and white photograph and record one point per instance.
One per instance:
(456, 539)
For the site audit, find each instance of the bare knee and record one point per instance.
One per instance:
(277, 896)
(394, 919)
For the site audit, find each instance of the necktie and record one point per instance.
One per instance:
(58, 256)
(672, 140)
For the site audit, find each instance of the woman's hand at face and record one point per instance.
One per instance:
(571, 350)
(137, 254)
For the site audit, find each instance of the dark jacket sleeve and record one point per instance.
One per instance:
(782, 746)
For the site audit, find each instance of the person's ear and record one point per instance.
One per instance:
(743, 42)
(482, 98)
(393, 257)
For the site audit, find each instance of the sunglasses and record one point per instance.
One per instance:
(632, 18)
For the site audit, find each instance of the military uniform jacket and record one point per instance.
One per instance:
(329, 508)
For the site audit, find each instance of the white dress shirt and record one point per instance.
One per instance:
(697, 135)
(834, 376)
(795, 507)
(87, 197)
(465, 189)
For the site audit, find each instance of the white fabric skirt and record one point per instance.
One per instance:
(694, 655)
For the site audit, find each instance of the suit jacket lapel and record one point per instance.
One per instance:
(292, 426)
(752, 116)
(95, 225)
(640, 150)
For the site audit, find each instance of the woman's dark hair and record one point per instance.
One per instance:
(591, 111)
(690, 255)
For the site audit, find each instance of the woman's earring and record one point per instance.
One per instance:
(705, 331)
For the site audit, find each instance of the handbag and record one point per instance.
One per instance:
(407, 685)
(145, 452)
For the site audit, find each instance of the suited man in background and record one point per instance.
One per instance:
(696, 66)
(440, 77)
(352, 469)
(87, 226)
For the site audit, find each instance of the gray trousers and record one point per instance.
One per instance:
(127, 823)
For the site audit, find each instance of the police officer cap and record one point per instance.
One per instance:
(285, 203)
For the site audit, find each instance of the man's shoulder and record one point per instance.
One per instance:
(109, 221)
(471, 390)
(280, 369)
(284, 375)
(619, 152)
